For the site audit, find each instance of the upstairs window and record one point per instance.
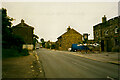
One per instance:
(116, 30)
(106, 32)
(96, 34)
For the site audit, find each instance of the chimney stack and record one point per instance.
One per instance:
(104, 19)
(68, 28)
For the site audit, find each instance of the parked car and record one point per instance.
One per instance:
(37, 47)
(69, 49)
(95, 44)
(78, 47)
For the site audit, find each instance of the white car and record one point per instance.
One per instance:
(37, 47)
(69, 49)
(95, 44)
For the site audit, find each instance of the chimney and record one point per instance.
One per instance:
(22, 22)
(68, 28)
(104, 19)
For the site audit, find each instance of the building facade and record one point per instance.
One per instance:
(66, 40)
(25, 32)
(107, 34)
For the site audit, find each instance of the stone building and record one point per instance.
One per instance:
(107, 34)
(66, 40)
(50, 45)
(25, 32)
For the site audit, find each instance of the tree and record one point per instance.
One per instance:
(8, 39)
(53, 46)
(6, 25)
(47, 45)
(35, 37)
(6, 20)
(43, 42)
(6, 28)
(16, 42)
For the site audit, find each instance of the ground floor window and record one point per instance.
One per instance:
(116, 42)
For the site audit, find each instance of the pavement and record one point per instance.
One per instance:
(109, 57)
(22, 67)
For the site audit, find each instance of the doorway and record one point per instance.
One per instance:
(102, 45)
(108, 45)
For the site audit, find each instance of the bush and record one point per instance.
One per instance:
(14, 53)
(53, 46)
(24, 52)
(10, 53)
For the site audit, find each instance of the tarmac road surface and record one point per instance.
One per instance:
(58, 64)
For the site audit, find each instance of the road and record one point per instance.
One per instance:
(59, 64)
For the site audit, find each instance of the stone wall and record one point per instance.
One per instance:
(25, 33)
(108, 33)
(66, 40)
(28, 46)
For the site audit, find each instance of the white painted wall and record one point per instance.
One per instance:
(28, 46)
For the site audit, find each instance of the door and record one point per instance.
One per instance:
(102, 45)
(108, 45)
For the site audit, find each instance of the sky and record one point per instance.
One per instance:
(51, 19)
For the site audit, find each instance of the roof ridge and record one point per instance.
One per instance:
(23, 25)
(77, 31)
(68, 31)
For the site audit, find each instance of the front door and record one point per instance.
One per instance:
(108, 45)
(102, 45)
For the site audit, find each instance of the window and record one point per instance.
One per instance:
(116, 29)
(96, 34)
(106, 32)
(116, 42)
(60, 45)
